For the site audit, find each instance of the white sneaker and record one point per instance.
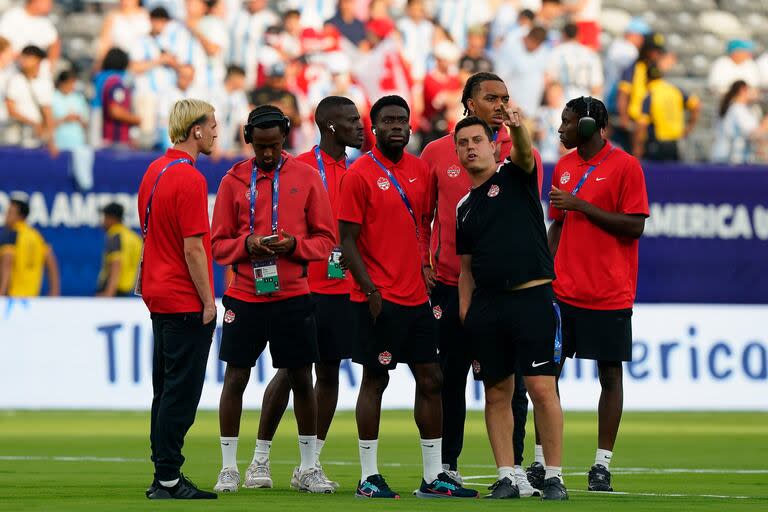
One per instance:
(453, 474)
(526, 490)
(334, 484)
(295, 478)
(258, 476)
(313, 480)
(229, 479)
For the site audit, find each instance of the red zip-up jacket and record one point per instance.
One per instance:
(304, 211)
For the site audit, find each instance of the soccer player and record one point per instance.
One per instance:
(383, 198)
(484, 96)
(340, 127)
(505, 295)
(599, 205)
(272, 217)
(24, 255)
(122, 254)
(176, 282)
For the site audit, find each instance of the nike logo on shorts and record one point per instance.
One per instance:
(536, 365)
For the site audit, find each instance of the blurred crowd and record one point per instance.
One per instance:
(292, 53)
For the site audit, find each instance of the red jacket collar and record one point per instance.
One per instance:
(242, 169)
(175, 154)
(328, 159)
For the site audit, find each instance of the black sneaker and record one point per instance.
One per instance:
(535, 474)
(503, 489)
(375, 487)
(183, 490)
(554, 489)
(444, 487)
(599, 479)
(152, 488)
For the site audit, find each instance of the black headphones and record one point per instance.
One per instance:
(587, 126)
(262, 118)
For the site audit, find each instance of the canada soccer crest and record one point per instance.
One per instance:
(454, 171)
(565, 178)
(385, 358)
(493, 191)
(437, 311)
(248, 194)
(383, 183)
(229, 316)
(476, 366)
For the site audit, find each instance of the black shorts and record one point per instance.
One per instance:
(288, 325)
(512, 332)
(453, 340)
(602, 335)
(401, 334)
(334, 329)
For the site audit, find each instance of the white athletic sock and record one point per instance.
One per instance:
(229, 452)
(603, 457)
(168, 483)
(540, 455)
(432, 458)
(307, 447)
(318, 448)
(553, 471)
(261, 453)
(506, 471)
(368, 458)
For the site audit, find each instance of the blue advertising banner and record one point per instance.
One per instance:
(705, 242)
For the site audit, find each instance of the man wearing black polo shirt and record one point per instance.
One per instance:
(505, 294)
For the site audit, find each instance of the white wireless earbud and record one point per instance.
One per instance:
(333, 130)
(373, 130)
(197, 135)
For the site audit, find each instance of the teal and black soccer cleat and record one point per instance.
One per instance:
(375, 487)
(599, 479)
(554, 490)
(444, 487)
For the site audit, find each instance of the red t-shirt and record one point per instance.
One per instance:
(388, 240)
(448, 183)
(595, 269)
(318, 270)
(179, 210)
(434, 84)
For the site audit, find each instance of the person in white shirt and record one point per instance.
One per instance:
(737, 65)
(211, 43)
(458, 15)
(123, 28)
(586, 16)
(28, 100)
(575, 66)
(184, 89)
(247, 36)
(522, 62)
(232, 109)
(30, 26)
(738, 129)
(623, 52)
(7, 69)
(416, 32)
(762, 66)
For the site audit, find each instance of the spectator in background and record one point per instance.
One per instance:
(116, 100)
(737, 65)
(522, 62)
(548, 121)
(7, 69)
(275, 92)
(586, 15)
(475, 59)
(24, 255)
(70, 113)
(347, 24)
(28, 100)
(442, 93)
(247, 36)
(211, 44)
(340, 84)
(738, 128)
(183, 90)
(620, 55)
(288, 42)
(416, 32)
(122, 28)
(232, 107)
(458, 15)
(500, 32)
(30, 25)
(577, 67)
(549, 16)
(762, 66)
(122, 255)
(662, 124)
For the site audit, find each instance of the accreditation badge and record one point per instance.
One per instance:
(335, 270)
(265, 276)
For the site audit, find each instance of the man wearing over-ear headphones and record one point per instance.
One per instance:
(599, 204)
(383, 203)
(272, 217)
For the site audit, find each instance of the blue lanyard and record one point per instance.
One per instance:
(275, 194)
(145, 226)
(399, 188)
(589, 171)
(321, 167)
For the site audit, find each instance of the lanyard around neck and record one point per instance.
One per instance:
(275, 195)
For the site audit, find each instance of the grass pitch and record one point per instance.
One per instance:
(99, 461)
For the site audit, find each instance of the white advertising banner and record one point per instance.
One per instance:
(97, 354)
